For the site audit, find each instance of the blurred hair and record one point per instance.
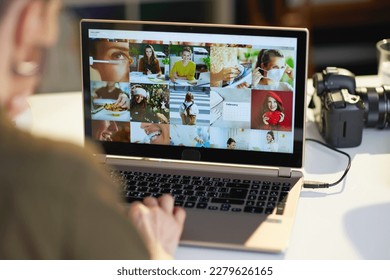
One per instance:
(189, 97)
(230, 141)
(4, 5)
(187, 49)
(153, 57)
(271, 133)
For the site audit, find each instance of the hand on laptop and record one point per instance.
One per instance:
(159, 223)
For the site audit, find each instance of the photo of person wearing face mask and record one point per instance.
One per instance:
(269, 70)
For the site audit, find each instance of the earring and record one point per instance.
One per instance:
(26, 68)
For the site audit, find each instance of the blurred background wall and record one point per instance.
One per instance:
(343, 33)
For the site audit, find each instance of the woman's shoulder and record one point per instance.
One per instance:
(46, 162)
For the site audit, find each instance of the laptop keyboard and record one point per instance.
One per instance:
(208, 193)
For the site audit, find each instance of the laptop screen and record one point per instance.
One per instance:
(215, 93)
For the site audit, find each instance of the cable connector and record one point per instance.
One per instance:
(315, 185)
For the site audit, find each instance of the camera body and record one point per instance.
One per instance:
(341, 110)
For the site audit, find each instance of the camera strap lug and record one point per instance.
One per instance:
(350, 98)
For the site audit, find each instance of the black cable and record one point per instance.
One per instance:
(317, 185)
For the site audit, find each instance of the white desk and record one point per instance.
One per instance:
(348, 221)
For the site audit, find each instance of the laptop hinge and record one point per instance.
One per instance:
(101, 158)
(284, 172)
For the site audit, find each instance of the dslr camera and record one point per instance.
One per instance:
(341, 110)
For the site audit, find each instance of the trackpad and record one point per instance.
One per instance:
(220, 227)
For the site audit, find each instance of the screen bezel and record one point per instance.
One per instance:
(293, 160)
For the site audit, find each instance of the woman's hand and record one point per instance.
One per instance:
(162, 118)
(123, 101)
(159, 223)
(173, 77)
(198, 139)
(229, 73)
(289, 72)
(281, 117)
(265, 119)
(256, 76)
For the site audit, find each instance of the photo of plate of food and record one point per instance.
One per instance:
(114, 109)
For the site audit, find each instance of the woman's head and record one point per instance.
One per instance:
(27, 29)
(140, 96)
(270, 136)
(273, 102)
(186, 54)
(149, 52)
(270, 59)
(231, 144)
(189, 97)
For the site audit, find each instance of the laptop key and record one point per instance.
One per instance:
(189, 204)
(130, 199)
(250, 209)
(238, 193)
(250, 203)
(238, 185)
(201, 205)
(179, 203)
(228, 201)
(280, 209)
(177, 192)
(204, 199)
(192, 198)
(142, 189)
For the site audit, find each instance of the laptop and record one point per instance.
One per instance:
(233, 161)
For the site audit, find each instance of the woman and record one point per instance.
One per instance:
(139, 109)
(188, 110)
(184, 69)
(149, 64)
(272, 115)
(271, 145)
(269, 70)
(55, 200)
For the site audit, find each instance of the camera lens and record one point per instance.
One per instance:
(377, 105)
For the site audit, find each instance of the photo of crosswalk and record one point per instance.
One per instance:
(201, 99)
